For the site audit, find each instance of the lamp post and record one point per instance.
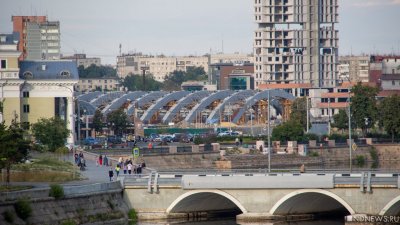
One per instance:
(251, 110)
(350, 141)
(269, 133)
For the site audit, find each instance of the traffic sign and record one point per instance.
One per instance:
(136, 152)
(354, 146)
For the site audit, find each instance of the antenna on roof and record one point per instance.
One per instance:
(120, 47)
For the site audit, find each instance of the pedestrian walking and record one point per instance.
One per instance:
(105, 160)
(237, 142)
(125, 168)
(129, 167)
(111, 174)
(100, 160)
(117, 168)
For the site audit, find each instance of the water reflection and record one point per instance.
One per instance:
(233, 222)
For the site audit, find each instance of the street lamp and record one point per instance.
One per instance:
(251, 110)
(350, 144)
(269, 133)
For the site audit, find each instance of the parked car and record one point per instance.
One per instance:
(114, 139)
(167, 139)
(91, 141)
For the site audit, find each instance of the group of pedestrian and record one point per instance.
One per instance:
(127, 167)
(80, 160)
(102, 161)
(239, 141)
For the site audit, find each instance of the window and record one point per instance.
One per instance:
(3, 64)
(25, 94)
(65, 73)
(26, 108)
(393, 82)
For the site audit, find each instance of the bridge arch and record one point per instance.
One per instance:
(392, 208)
(204, 200)
(317, 200)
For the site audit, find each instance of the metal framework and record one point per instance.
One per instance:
(220, 95)
(193, 97)
(274, 94)
(160, 103)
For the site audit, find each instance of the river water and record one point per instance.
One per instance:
(233, 222)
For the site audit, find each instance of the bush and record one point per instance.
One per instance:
(132, 215)
(23, 208)
(360, 160)
(62, 150)
(68, 222)
(8, 216)
(375, 159)
(56, 191)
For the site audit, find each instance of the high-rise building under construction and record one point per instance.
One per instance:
(296, 42)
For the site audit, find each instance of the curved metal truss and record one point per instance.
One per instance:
(238, 96)
(193, 97)
(220, 95)
(90, 109)
(104, 99)
(150, 97)
(274, 94)
(118, 102)
(89, 96)
(160, 103)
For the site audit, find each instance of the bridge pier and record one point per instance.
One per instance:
(262, 217)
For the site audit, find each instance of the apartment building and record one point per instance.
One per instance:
(83, 60)
(296, 42)
(97, 84)
(40, 38)
(161, 66)
(354, 68)
(20, 24)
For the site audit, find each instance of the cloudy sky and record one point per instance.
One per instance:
(195, 27)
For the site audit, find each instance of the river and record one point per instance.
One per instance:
(233, 222)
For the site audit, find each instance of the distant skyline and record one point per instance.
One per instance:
(193, 27)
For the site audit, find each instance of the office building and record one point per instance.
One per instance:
(296, 42)
(354, 68)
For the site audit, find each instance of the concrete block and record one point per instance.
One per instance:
(292, 144)
(312, 143)
(216, 146)
(196, 148)
(173, 149)
(331, 143)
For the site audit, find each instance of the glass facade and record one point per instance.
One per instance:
(238, 83)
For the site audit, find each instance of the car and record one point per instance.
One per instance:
(90, 141)
(224, 133)
(114, 139)
(167, 139)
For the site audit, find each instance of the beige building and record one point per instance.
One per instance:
(82, 60)
(296, 42)
(41, 89)
(161, 66)
(355, 68)
(97, 84)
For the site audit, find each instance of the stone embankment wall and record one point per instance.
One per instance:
(106, 207)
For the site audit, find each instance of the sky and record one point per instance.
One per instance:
(192, 27)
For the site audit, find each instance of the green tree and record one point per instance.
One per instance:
(288, 131)
(174, 80)
(135, 83)
(364, 110)
(299, 111)
(97, 123)
(118, 120)
(13, 147)
(341, 120)
(51, 132)
(94, 71)
(390, 115)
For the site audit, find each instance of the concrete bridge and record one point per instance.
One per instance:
(259, 196)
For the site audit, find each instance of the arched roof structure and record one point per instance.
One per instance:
(160, 103)
(274, 94)
(150, 97)
(195, 96)
(219, 95)
(87, 97)
(238, 96)
(106, 98)
(90, 109)
(118, 102)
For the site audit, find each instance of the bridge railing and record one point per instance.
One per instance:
(364, 180)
